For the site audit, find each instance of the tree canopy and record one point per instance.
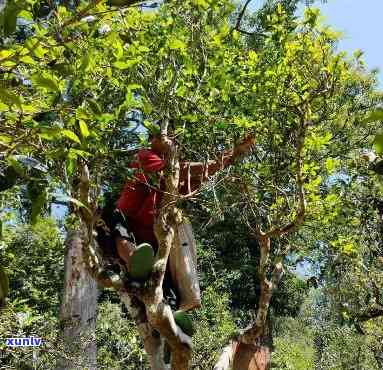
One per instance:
(289, 236)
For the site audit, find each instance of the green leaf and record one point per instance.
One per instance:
(39, 52)
(3, 107)
(27, 59)
(105, 117)
(202, 3)
(83, 128)
(46, 82)
(63, 69)
(70, 165)
(5, 139)
(26, 15)
(74, 153)
(49, 133)
(374, 116)
(82, 113)
(119, 50)
(119, 2)
(27, 108)
(93, 105)
(37, 194)
(378, 143)
(34, 46)
(66, 198)
(331, 165)
(38, 205)
(16, 166)
(85, 61)
(126, 64)
(6, 54)
(70, 135)
(134, 87)
(176, 44)
(9, 18)
(8, 64)
(10, 98)
(152, 128)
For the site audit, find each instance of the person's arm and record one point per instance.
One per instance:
(193, 174)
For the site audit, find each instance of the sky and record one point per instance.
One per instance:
(362, 26)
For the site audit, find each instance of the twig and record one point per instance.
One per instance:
(241, 14)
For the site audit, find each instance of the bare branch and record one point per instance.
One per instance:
(240, 16)
(371, 313)
(250, 33)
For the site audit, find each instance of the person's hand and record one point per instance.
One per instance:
(125, 249)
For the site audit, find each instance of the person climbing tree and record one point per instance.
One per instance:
(137, 208)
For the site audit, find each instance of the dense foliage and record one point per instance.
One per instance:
(82, 84)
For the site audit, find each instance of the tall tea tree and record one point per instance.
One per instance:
(71, 91)
(312, 102)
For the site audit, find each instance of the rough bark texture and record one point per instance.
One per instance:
(251, 357)
(251, 349)
(153, 343)
(154, 317)
(159, 314)
(241, 356)
(78, 310)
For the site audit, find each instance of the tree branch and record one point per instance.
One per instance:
(371, 313)
(299, 218)
(240, 16)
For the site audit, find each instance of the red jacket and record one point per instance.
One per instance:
(140, 198)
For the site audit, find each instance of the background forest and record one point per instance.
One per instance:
(290, 237)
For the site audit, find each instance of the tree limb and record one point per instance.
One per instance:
(299, 218)
(240, 16)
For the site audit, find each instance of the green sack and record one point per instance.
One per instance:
(184, 321)
(141, 262)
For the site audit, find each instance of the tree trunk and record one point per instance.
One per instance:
(153, 343)
(154, 317)
(251, 349)
(78, 310)
(250, 357)
(242, 356)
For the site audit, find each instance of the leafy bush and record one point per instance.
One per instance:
(118, 344)
(294, 349)
(33, 257)
(214, 325)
